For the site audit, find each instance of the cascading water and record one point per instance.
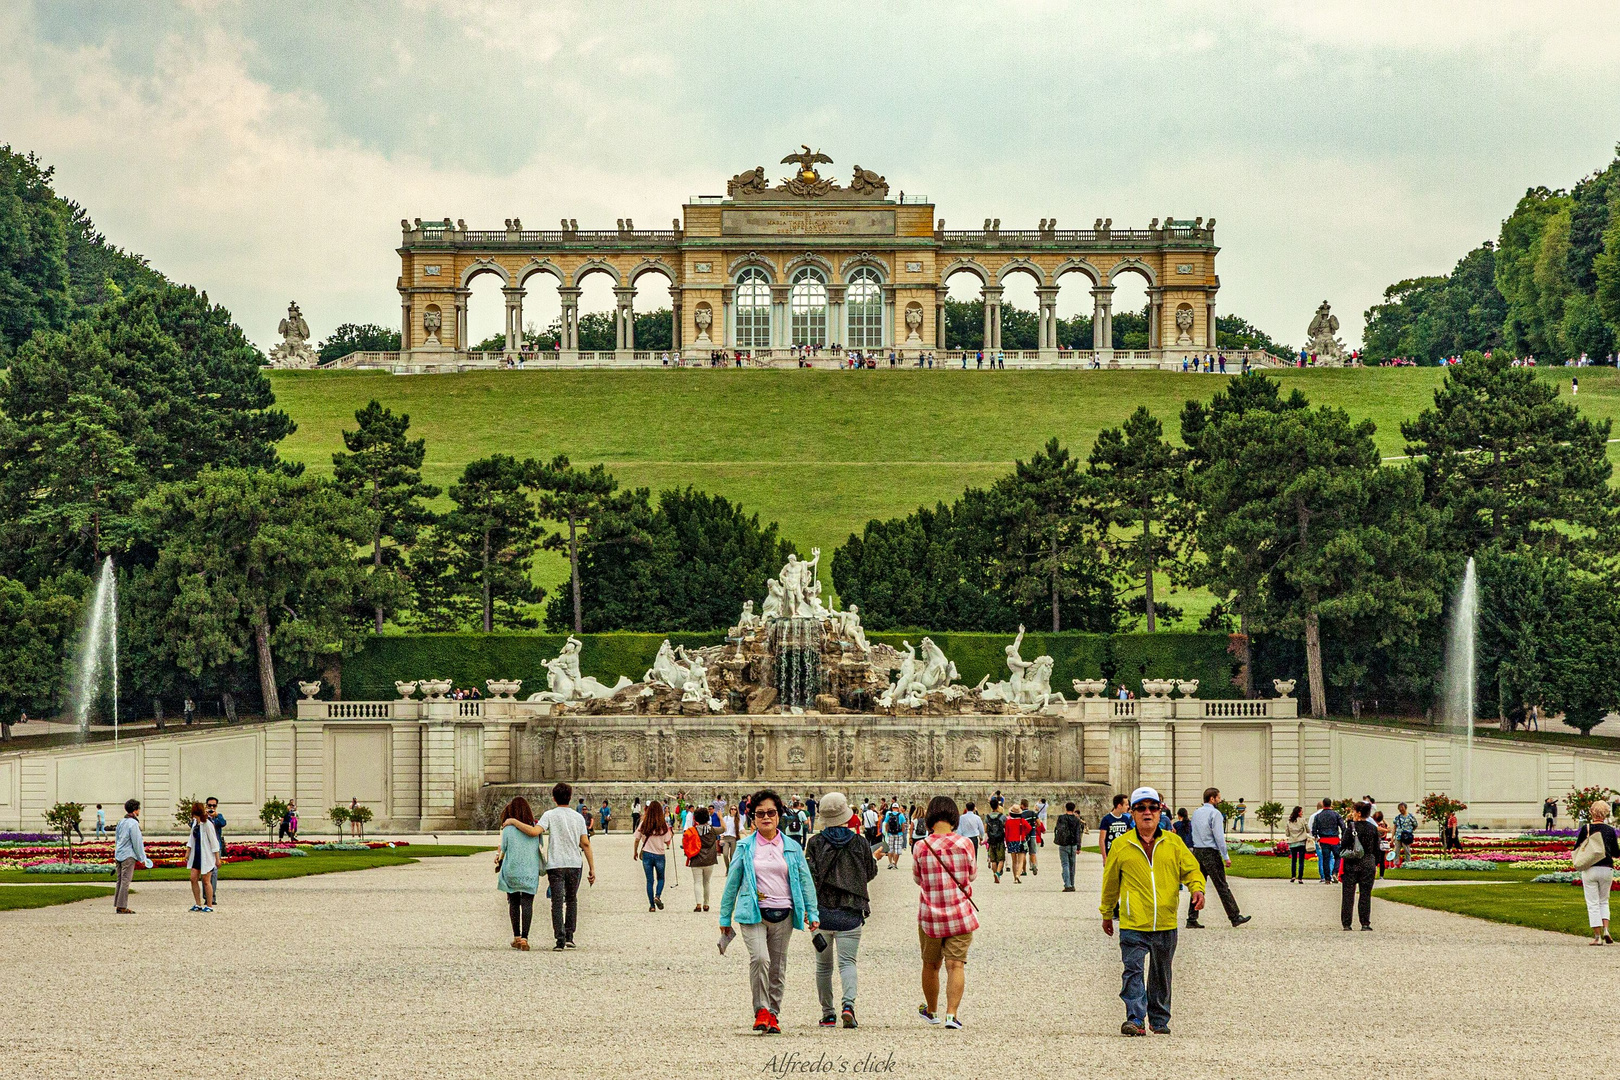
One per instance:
(796, 665)
(1458, 704)
(96, 664)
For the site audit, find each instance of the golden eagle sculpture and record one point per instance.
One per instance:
(806, 162)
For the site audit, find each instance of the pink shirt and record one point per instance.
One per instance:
(771, 872)
(657, 843)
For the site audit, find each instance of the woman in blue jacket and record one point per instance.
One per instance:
(768, 894)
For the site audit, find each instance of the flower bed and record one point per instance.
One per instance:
(1566, 877)
(95, 856)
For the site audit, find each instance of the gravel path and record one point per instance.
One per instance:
(406, 972)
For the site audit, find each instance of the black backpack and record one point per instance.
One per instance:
(995, 829)
(891, 823)
(1067, 833)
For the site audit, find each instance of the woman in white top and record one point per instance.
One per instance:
(202, 856)
(728, 835)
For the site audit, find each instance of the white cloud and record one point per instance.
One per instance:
(1342, 146)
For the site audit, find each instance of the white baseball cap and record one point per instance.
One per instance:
(1145, 793)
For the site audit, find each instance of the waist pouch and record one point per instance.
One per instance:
(775, 914)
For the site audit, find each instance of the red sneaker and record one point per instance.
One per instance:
(772, 1028)
(762, 1019)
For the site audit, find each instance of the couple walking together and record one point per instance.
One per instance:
(775, 886)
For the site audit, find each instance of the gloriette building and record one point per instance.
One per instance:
(806, 261)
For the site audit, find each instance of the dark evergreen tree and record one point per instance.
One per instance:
(1504, 458)
(1136, 479)
(490, 539)
(383, 472)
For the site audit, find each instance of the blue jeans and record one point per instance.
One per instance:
(653, 865)
(1327, 860)
(1066, 863)
(1149, 1004)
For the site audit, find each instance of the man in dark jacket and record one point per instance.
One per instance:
(1326, 825)
(1067, 839)
(841, 864)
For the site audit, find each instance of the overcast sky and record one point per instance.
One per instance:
(266, 151)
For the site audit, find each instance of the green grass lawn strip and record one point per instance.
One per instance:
(1561, 908)
(320, 862)
(48, 895)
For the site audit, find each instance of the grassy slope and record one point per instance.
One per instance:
(321, 862)
(48, 895)
(1541, 907)
(820, 452)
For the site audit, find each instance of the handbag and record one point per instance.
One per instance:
(1592, 850)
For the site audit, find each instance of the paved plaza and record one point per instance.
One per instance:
(407, 972)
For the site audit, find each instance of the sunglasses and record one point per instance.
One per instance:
(1145, 806)
(767, 813)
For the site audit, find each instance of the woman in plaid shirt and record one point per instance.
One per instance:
(942, 863)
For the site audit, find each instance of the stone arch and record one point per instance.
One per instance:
(808, 258)
(968, 266)
(540, 266)
(653, 266)
(1021, 266)
(1133, 265)
(864, 260)
(753, 258)
(1076, 266)
(595, 266)
(485, 266)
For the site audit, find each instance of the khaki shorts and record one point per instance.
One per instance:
(936, 950)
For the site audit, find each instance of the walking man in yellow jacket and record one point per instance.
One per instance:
(1143, 875)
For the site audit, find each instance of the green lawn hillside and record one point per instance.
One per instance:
(822, 451)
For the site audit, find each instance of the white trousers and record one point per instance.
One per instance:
(1595, 883)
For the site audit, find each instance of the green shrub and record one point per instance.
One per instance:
(1208, 657)
(271, 814)
(468, 659)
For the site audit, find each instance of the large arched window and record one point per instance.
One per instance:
(808, 302)
(753, 309)
(865, 301)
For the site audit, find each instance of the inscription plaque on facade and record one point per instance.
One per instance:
(807, 222)
(913, 267)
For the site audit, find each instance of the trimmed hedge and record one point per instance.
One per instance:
(469, 658)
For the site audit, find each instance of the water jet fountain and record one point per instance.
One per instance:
(1457, 708)
(97, 655)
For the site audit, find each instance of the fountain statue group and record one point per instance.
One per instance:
(796, 654)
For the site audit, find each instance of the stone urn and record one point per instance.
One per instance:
(1090, 688)
(1157, 688)
(435, 688)
(309, 689)
(1284, 687)
(503, 688)
(1188, 687)
(405, 689)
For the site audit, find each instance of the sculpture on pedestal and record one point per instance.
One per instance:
(567, 684)
(294, 350)
(1030, 684)
(1322, 341)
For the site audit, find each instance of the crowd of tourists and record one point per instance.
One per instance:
(805, 864)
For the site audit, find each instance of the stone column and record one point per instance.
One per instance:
(1102, 321)
(461, 318)
(781, 326)
(1048, 338)
(514, 317)
(1155, 316)
(992, 317)
(836, 330)
(726, 334)
(405, 326)
(891, 332)
(675, 310)
(1209, 324)
(626, 296)
(569, 297)
(939, 318)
